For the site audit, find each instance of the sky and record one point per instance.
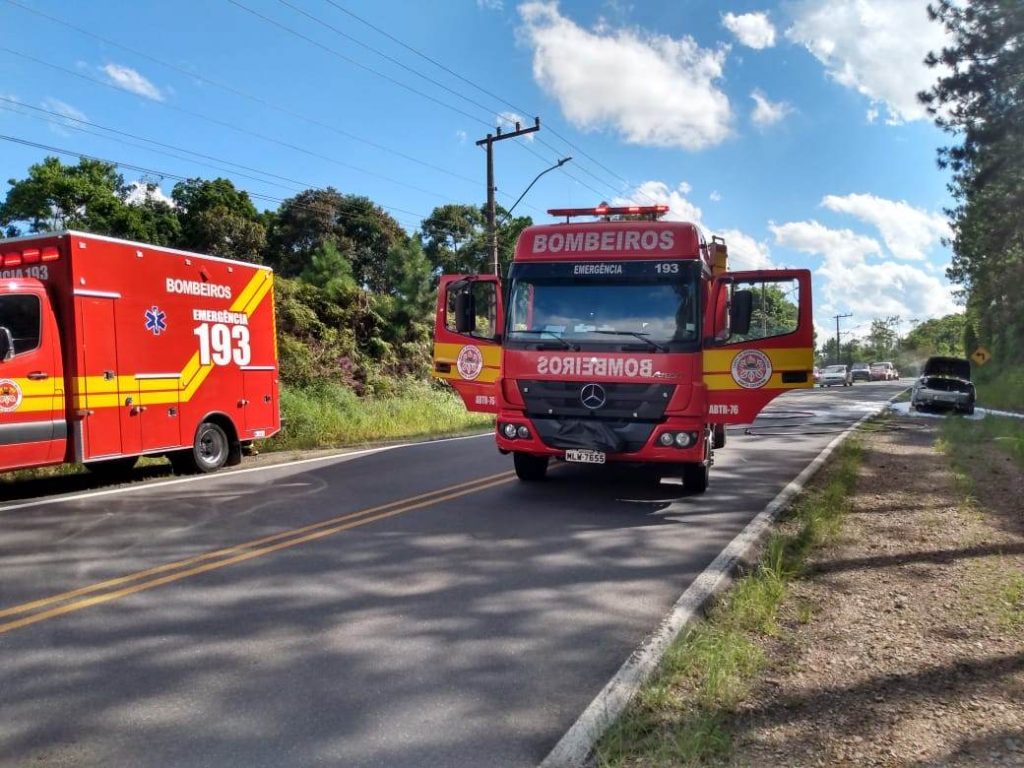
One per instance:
(791, 129)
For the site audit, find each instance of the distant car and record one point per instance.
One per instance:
(836, 375)
(884, 372)
(945, 383)
(860, 372)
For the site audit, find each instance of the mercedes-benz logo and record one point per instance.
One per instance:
(592, 396)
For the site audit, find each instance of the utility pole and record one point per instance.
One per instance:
(837, 319)
(492, 214)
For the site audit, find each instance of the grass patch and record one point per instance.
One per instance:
(963, 440)
(679, 717)
(1001, 387)
(330, 415)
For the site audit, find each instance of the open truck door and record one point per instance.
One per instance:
(467, 338)
(759, 341)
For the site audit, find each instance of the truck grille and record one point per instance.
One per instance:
(622, 402)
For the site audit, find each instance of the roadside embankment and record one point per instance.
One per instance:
(883, 626)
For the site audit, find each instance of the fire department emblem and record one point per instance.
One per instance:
(751, 369)
(10, 396)
(470, 362)
(156, 320)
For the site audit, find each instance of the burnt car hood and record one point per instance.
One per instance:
(953, 367)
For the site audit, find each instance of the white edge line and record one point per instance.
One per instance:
(575, 746)
(96, 294)
(142, 486)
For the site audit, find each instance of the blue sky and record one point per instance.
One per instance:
(791, 128)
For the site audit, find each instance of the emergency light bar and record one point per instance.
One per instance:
(604, 210)
(29, 256)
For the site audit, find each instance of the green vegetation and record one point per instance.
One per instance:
(331, 414)
(1001, 386)
(964, 439)
(354, 290)
(678, 718)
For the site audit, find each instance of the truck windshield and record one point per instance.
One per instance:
(653, 304)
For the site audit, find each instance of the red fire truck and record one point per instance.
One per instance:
(111, 349)
(624, 339)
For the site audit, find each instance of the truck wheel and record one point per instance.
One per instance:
(719, 441)
(112, 469)
(696, 476)
(530, 468)
(210, 451)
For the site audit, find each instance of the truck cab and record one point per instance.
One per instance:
(622, 340)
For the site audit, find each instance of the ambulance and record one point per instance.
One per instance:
(111, 350)
(622, 338)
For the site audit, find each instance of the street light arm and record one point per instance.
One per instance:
(559, 164)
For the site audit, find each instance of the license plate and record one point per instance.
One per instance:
(581, 456)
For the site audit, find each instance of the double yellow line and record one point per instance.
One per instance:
(113, 589)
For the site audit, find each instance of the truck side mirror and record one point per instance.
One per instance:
(740, 309)
(6, 344)
(465, 312)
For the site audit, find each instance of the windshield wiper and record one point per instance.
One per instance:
(638, 335)
(565, 344)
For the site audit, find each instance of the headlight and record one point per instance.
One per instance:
(509, 431)
(523, 432)
(683, 439)
(666, 439)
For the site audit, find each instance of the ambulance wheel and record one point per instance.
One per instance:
(210, 451)
(696, 476)
(719, 441)
(530, 468)
(112, 468)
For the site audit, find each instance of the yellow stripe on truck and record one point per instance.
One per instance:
(718, 367)
(447, 353)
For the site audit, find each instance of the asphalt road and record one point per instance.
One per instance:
(416, 606)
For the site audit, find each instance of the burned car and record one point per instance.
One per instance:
(945, 383)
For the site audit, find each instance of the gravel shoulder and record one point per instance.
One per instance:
(903, 644)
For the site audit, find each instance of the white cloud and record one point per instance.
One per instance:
(130, 80)
(768, 112)
(908, 232)
(754, 30)
(849, 282)
(461, 136)
(653, 89)
(62, 108)
(745, 252)
(874, 46)
(508, 120)
(715, 196)
(140, 191)
(490, 5)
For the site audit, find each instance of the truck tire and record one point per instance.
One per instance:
(112, 469)
(696, 476)
(719, 441)
(530, 468)
(210, 451)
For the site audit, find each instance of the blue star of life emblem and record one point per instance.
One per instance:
(156, 320)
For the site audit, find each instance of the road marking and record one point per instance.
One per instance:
(239, 553)
(144, 486)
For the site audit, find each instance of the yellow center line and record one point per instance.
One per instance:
(426, 498)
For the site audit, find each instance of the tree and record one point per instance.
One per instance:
(454, 239)
(218, 219)
(941, 336)
(979, 100)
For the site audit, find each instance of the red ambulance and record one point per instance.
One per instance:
(624, 340)
(110, 350)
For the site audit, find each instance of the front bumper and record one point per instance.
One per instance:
(650, 450)
(937, 398)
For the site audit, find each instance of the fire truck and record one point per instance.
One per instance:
(110, 350)
(622, 338)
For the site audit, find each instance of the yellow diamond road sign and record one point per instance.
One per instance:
(981, 356)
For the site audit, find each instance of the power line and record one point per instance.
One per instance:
(355, 63)
(471, 83)
(243, 94)
(226, 124)
(168, 174)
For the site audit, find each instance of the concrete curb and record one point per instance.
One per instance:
(573, 749)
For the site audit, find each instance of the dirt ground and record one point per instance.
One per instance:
(904, 645)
